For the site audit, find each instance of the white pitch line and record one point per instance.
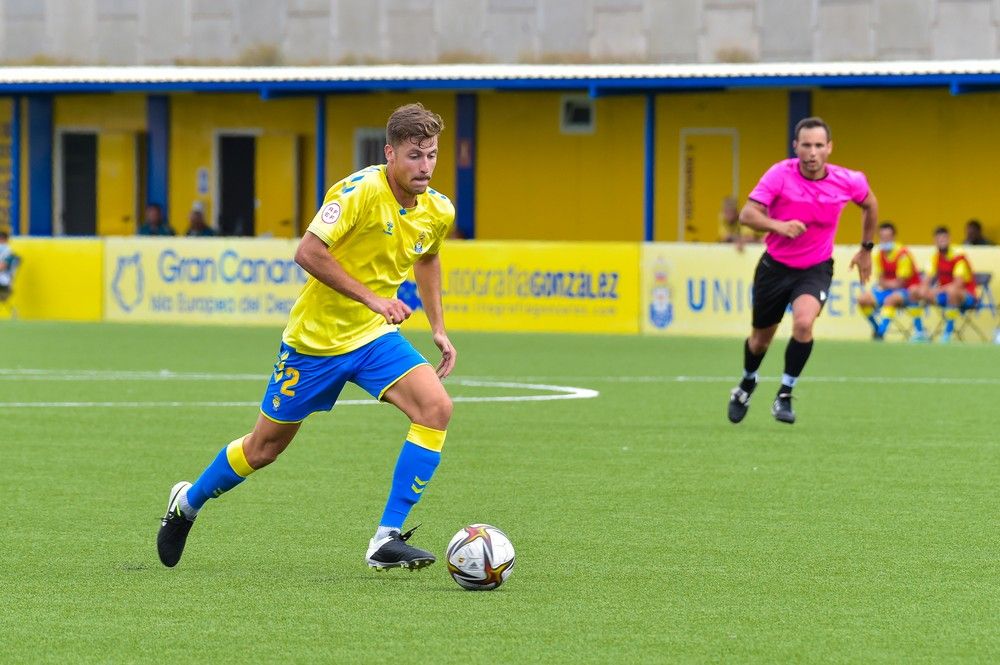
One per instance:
(555, 393)
(929, 380)
(127, 405)
(568, 392)
(120, 375)
(22, 374)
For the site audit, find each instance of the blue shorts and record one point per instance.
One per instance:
(880, 295)
(968, 303)
(302, 384)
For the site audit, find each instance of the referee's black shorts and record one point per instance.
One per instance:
(775, 286)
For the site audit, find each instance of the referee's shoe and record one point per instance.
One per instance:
(782, 408)
(739, 403)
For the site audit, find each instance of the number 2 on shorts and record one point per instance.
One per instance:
(293, 378)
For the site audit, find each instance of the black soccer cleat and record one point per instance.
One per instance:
(174, 528)
(739, 403)
(393, 552)
(782, 408)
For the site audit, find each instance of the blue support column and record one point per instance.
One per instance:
(465, 165)
(799, 107)
(15, 165)
(649, 194)
(40, 165)
(158, 152)
(320, 150)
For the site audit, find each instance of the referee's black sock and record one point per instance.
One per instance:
(796, 355)
(751, 363)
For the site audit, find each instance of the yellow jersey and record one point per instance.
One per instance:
(376, 241)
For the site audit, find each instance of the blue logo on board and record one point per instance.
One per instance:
(661, 307)
(408, 293)
(127, 284)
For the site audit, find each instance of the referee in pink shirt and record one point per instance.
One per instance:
(798, 203)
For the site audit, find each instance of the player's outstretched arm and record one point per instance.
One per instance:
(314, 257)
(869, 221)
(427, 271)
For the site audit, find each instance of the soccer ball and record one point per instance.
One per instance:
(480, 557)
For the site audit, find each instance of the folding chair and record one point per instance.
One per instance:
(902, 323)
(7, 291)
(903, 326)
(984, 302)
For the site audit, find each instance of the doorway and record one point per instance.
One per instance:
(709, 172)
(237, 185)
(78, 183)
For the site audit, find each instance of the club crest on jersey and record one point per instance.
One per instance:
(419, 246)
(388, 228)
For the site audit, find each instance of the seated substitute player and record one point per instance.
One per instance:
(6, 262)
(898, 284)
(373, 227)
(798, 203)
(949, 283)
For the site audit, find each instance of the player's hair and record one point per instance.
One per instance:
(887, 225)
(4, 235)
(941, 229)
(412, 121)
(809, 123)
(975, 223)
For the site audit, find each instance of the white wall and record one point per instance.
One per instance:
(125, 32)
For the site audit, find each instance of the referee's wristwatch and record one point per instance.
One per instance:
(868, 246)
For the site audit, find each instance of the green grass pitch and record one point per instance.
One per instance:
(648, 528)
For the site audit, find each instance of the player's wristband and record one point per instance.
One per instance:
(868, 246)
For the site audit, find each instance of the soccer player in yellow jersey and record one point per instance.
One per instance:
(898, 285)
(950, 283)
(374, 226)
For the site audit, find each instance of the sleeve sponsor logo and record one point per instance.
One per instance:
(331, 213)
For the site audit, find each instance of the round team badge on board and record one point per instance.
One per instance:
(331, 213)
